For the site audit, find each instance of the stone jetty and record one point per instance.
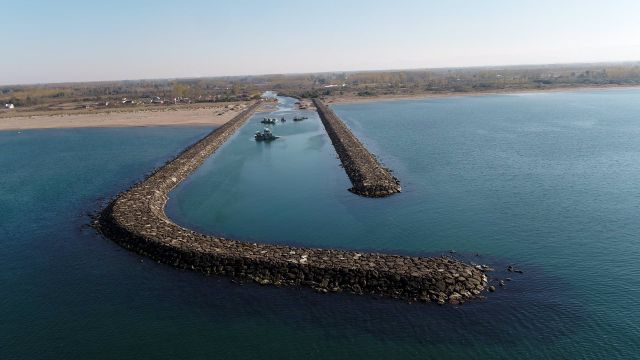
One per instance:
(137, 221)
(367, 176)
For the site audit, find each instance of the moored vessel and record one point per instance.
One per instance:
(265, 135)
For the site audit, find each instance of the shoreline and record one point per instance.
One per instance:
(221, 113)
(201, 116)
(354, 99)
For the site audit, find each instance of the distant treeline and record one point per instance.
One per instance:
(473, 79)
(197, 90)
(364, 83)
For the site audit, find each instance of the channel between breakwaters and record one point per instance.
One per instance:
(368, 177)
(137, 221)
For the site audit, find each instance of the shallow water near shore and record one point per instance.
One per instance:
(549, 182)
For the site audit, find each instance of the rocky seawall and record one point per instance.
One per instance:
(367, 176)
(137, 221)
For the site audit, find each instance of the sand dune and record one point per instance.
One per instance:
(164, 117)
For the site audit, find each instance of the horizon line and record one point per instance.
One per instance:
(594, 63)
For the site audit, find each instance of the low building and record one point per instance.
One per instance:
(9, 106)
(181, 100)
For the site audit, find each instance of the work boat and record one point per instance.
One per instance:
(265, 135)
(300, 118)
(268, 121)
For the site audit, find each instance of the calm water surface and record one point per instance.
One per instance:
(550, 182)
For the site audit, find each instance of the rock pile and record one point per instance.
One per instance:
(367, 176)
(136, 220)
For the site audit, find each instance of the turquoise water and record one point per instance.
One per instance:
(549, 182)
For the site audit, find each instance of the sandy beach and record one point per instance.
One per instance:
(211, 115)
(347, 99)
(216, 114)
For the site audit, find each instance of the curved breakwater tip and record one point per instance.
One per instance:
(136, 220)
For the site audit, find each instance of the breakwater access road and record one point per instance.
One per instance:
(368, 177)
(136, 220)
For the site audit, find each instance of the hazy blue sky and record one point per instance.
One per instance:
(54, 41)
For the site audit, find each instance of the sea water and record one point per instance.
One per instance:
(547, 182)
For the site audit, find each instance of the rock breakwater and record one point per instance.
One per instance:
(367, 176)
(137, 221)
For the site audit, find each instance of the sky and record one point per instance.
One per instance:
(69, 41)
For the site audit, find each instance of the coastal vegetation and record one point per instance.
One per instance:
(98, 96)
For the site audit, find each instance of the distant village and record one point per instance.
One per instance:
(40, 100)
(148, 100)
(167, 92)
